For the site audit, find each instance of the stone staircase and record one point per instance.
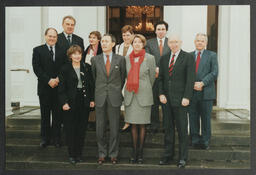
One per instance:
(229, 148)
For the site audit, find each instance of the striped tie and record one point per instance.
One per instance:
(171, 65)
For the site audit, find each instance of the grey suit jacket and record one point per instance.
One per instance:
(146, 81)
(153, 49)
(108, 86)
(208, 72)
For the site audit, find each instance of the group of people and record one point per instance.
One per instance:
(140, 74)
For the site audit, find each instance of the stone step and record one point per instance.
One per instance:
(32, 137)
(90, 164)
(36, 153)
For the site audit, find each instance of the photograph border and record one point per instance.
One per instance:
(12, 3)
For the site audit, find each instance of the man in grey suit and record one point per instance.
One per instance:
(109, 72)
(157, 47)
(203, 94)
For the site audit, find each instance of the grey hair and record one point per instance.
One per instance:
(202, 34)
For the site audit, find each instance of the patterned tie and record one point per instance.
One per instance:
(161, 47)
(52, 54)
(107, 65)
(171, 65)
(197, 61)
(69, 39)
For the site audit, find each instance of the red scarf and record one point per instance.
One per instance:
(134, 73)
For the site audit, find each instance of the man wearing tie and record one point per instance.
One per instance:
(109, 73)
(47, 61)
(67, 37)
(158, 47)
(203, 94)
(176, 80)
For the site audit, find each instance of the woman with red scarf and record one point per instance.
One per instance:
(138, 96)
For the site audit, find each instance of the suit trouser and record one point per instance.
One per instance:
(75, 123)
(200, 109)
(175, 116)
(113, 114)
(155, 107)
(49, 105)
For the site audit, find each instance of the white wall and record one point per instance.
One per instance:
(233, 89)
(186, 21)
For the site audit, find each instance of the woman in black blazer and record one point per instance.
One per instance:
(76, 95)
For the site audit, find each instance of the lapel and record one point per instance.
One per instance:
(49, 57)
(65, 41)
(167, 60)
(178, 61)
(156, 47)
(73, 73)
(113, 63)
(102, 63)
(166, 48)
(203, 60)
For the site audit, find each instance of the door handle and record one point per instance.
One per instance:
(26, 70)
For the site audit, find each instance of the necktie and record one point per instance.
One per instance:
(107, 65)
(52, 54)
(171, 65)
(161, 47)
(69, 39)
(197, 61)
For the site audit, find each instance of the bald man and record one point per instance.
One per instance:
(176, 81)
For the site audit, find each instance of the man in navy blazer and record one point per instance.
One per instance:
(47, 61)
(203, 94)
(67, 37)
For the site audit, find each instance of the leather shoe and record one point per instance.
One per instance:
(165, 161)
(114, 160)
(72, 160)
(206, 147)
(101, 160)
(181, 164)
(44, 144)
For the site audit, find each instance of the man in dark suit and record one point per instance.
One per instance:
(204, 93)
(157, 46)
(109, 73)
(67, 37)
(47, 61)
(176, 80)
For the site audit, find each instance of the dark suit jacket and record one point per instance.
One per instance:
(207, 72)
(63, 42)
(68, 84)
(99, 51)
(180, 84)
(45, 68)
(109, 86)
(152, 48)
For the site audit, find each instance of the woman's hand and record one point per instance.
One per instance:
(92, 104)
(65, 107)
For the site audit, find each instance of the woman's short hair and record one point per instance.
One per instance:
(141, 37)
(127, 28)
(97, 34)
(73, 49)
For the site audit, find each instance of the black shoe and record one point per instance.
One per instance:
(165, 161)
(181, 164)
(140, 156)
(133, 158)
(72, 160)
(196, 145)
(206, 147)
(44, 144)
(79, 159)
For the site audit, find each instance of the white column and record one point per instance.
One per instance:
(186, 21)
(233, 89)
(8, 108)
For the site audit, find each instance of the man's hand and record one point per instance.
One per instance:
(52, 83)
(198, 86)
(157, 72)
(92, 104)
(65, 107)
(163, 99)
(185, 102)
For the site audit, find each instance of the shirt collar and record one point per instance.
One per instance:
(66, 35)
(196, 52)
(158, 40)
(49, 47)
